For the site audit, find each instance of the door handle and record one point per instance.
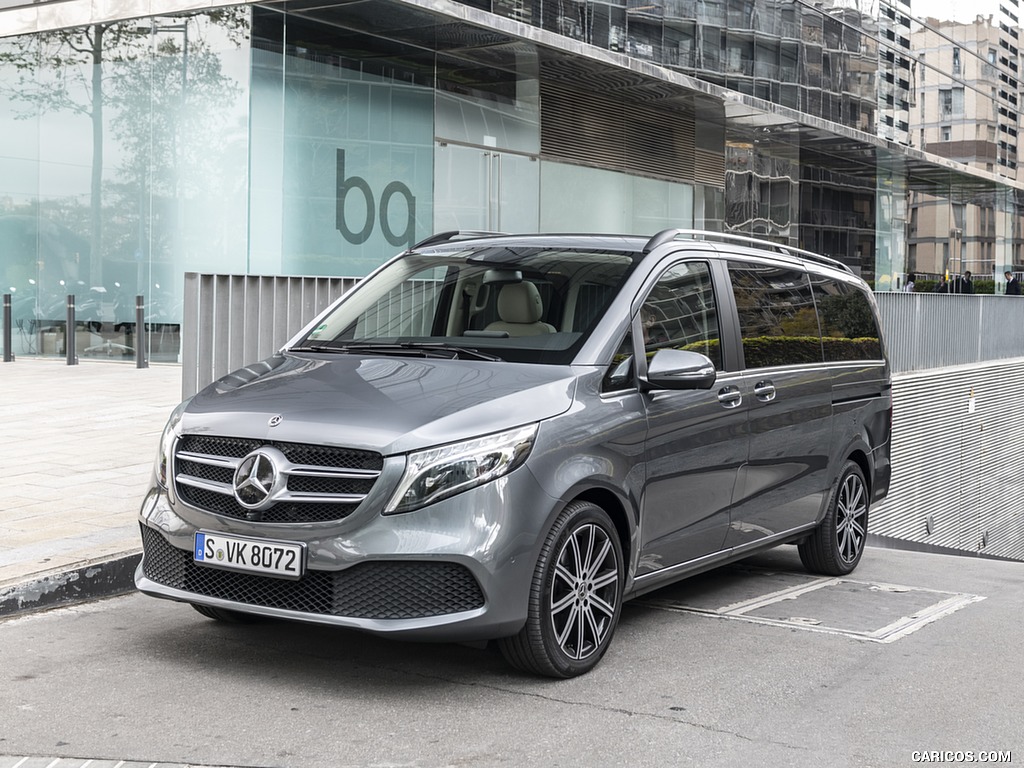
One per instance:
(764, 391)
(730, 397)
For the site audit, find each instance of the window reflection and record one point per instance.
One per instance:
(121, 175)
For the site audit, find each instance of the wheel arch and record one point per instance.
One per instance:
(860, 458)
(613, 505)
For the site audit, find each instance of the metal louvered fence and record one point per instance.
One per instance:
(935, 330)
(958, 394)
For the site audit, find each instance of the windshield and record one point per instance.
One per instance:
(523, 304)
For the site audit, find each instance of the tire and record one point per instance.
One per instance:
(837, 544)
(575, 597)
(225, 614)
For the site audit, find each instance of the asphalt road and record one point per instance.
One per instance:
(740, 667)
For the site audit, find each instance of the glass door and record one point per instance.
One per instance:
(480, 188)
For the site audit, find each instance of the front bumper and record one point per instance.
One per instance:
(458, 570)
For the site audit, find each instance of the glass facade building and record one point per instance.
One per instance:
(320, 138)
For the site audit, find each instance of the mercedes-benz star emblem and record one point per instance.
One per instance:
(275, 420)
(258, 478)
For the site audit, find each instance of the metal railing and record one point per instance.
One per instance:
(233, 320)
(934, 330)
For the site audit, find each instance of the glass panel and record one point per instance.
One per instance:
(777, 316)
(680, 313)
(848, 327)
(123, 143)
(342, 152)
(578, 199)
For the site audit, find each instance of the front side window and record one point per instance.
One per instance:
(776, 312)
(680, 312)
(501, 302)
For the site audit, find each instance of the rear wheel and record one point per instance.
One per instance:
(225, 614)
(575, 598)
(837, 544)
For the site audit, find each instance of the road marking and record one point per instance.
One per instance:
(946, 604)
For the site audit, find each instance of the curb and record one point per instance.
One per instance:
(91, 581)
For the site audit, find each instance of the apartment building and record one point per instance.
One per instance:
(968, 111)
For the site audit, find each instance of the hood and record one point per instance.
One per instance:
(386, 404)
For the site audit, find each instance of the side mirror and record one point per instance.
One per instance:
(680, 369)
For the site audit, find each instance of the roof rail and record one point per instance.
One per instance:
(668, 235)
(447, 237)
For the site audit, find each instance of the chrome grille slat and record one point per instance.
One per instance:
(341, 474)
(213, 461)
(323, 483)
(208, 485)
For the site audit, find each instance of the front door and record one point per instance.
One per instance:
(697, 439)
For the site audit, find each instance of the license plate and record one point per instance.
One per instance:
(284, 559)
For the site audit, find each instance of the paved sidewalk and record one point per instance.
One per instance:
(77, 449)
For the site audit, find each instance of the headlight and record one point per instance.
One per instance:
(164, 455)
(438, 473)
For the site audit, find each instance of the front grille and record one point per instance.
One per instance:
(336, 479)
(377, 590)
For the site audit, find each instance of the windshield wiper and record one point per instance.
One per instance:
(409, 348)
(455, 350)
(322, 347)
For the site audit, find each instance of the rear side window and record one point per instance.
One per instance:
(776, 314)
(849, 328)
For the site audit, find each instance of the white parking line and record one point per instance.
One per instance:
(952, 602)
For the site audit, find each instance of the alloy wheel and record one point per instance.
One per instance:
(852, 513)
(584, 591)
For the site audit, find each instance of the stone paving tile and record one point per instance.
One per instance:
(78, 449)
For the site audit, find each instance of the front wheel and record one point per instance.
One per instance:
(575, 597)
(837, 544)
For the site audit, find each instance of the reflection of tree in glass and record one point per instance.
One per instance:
(847, 316)
(171, 125)
(87, 70)
(803, 322)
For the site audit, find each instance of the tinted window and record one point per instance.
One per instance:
(680, 312)
(776, 313)
(849, 329)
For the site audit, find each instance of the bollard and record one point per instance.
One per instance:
(69, 333)
(8, 354)
(140, 333)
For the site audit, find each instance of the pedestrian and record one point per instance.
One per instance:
(1012, 284)
(942, 286)
(962, 284)
(911, 278)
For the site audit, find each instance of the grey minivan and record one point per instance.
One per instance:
(504, 437)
